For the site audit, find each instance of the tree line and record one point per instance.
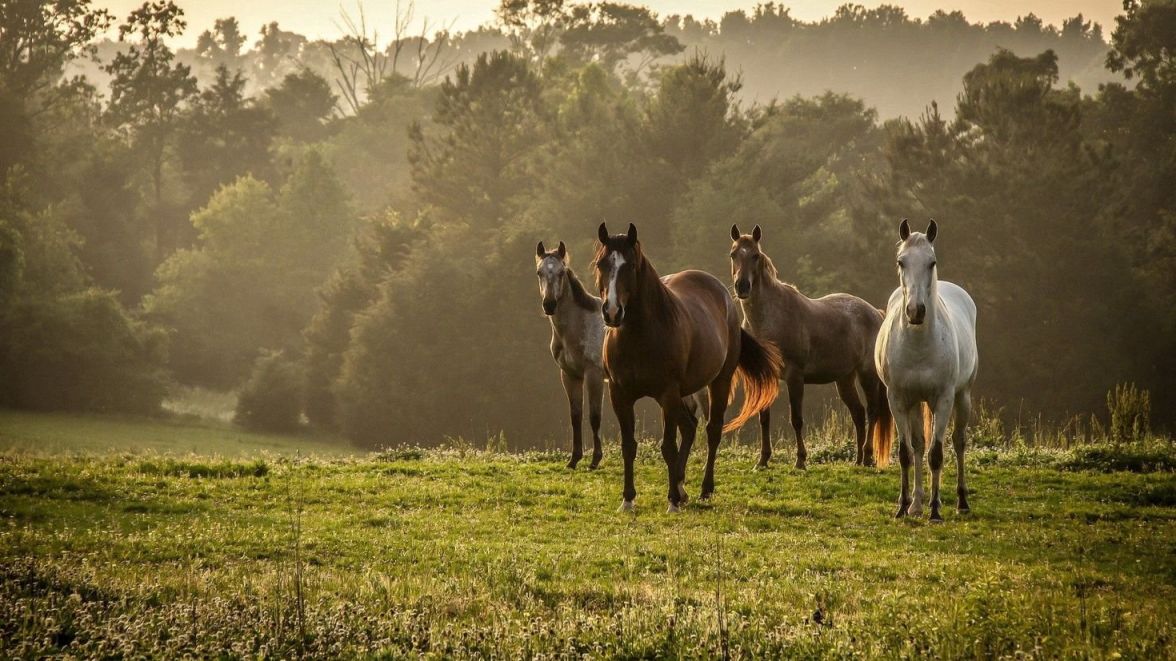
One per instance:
(354, 243)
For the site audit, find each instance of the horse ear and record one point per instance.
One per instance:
(602, 234)
(756, 233)
(539, 251)
(734, 232)
(562, 250)
(904, 230)
(632, 234)
(932, 230)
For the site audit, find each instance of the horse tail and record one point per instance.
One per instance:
(928, 424)
(759, 371)
(882, 428)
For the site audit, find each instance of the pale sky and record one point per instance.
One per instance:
(320, 18)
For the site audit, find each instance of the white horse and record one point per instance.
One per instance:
(926, 356)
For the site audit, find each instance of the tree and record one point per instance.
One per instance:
(487, 123)
(223, 136)
(609, 33)
(148, 91)
(301, 105)
(222, 44)
(37, 39)
(248, 283)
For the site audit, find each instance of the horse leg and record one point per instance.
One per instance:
(903, 424)
(623, 409)
(574, 387)
(595, 379)
(688, 427)
(919, 445)
(765, 420)
(672, 415)
(847, 388)
(942, 415)
(963, 415)
(720, 390)
(795, 380)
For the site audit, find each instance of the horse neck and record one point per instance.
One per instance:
(568, 312)
(654, 301)
(772, 301)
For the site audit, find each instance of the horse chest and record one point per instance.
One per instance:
(565, 358)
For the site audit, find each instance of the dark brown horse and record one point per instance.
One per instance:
(669, 337)
(824, 340)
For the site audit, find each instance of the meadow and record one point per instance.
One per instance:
(116, 539)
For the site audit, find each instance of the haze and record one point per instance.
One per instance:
(319, 19)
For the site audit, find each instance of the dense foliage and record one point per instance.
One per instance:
(351, 212)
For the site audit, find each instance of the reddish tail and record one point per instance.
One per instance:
(759, 371)
(882, 428)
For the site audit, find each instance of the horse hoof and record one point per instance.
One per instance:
(573, 462)
(761, 466)
(673, 509)
(903, 509)
(936, 518)
(706, 495)
(626, 506)
(800, 466)
(595, 462)
(683, 497)
(964, 510)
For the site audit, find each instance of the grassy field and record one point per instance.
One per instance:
(68, 434)
(256, 547)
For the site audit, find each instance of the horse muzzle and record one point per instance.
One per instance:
(613, 320)
(742, 289)
(916, 314)
(549, 306)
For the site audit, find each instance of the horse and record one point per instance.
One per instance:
(926, 355)
(577, 336)
(824, 340)
(670, 336)
(577, 339)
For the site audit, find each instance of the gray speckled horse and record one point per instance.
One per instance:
(577, 335)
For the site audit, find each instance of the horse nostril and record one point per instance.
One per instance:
(549, 307)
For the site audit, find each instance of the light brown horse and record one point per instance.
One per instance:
(824, 340)
(669, 337)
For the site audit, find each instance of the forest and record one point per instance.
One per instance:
(342, 232)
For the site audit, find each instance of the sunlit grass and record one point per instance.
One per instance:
(472, 553)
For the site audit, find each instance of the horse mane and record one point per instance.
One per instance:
(769, 266)
(579, 294)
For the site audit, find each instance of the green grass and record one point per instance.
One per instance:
(467, 553)
(60, 433)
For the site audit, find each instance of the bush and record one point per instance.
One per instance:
(80, 352)
(271, 400)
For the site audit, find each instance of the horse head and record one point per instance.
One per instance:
(747, 260)
(551, 267)
(618, 261)
(916, 270)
